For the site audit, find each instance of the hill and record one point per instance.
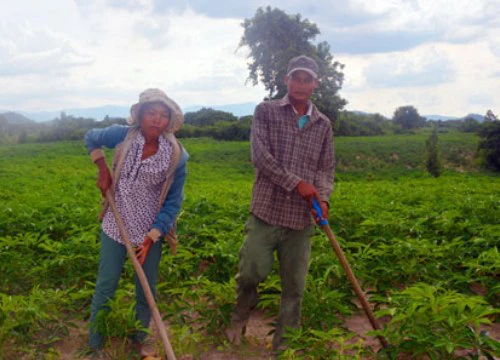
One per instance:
(16, 118)
(440, 117)
(477, 117)
(114, 111)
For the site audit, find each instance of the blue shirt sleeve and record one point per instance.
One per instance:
(164, 221)
(108, 137)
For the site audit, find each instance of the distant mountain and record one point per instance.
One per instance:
(99, 113)
(240, 109)
(477, 117)
(16, 118)
(440, 117)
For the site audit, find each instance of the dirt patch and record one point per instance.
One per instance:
(256, 344)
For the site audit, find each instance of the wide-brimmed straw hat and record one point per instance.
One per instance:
(156, 95)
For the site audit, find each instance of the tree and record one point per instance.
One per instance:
(275, 37)
(469, 125)
(407, 117)
(350, 123)
(432, 161)
(490, 116)
(208, 116)
(489, 146)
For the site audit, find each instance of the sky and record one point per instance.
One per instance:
(441, 56)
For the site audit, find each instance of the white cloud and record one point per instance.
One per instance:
(425, 66)
(28, 50)
(472, 87)
(442, 56)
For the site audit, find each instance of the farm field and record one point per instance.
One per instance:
(426, 249)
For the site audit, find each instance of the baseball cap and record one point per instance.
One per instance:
(303, 63)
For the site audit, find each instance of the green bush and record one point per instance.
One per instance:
(489, 146)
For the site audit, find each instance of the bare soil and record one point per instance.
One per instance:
(257, 343)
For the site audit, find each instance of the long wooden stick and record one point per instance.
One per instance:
(355, 284)
(142, 278)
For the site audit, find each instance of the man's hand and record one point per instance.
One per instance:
(324, 212)
(142, 251)
(307, 191)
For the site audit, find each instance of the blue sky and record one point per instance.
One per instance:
(441, 56)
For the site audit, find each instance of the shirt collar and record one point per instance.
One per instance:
(284, 101)
(140, 141)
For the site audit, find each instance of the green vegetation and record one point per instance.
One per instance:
(407, 117)
(208, 116)
(425, 247)
(432, 161)
(221, 125)
(489, 146)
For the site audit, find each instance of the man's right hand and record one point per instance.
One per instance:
(306, 191)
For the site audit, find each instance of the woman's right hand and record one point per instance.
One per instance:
(104, 179)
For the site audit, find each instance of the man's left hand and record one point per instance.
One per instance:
(142, 251)
(324, 211)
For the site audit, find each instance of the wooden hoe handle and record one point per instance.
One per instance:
(142, 278)
(355, 284)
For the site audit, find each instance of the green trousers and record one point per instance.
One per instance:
(111, 259)
(293, 248)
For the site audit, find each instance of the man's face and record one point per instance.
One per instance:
(300, 85)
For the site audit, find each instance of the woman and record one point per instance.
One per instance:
(147, 181)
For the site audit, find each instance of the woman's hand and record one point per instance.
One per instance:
(104, 179)
(142, 250)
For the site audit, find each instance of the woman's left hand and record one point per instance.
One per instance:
(142, 251)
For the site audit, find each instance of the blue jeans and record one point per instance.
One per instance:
(111, 259)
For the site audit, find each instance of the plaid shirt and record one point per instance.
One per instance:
(283, 155)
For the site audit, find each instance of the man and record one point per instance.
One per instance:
(292, 151)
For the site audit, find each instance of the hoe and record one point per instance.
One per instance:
(323, 223)
(142, 278)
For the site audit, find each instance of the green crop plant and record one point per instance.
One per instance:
(397, 226)
(334, 343)
(431, 322)
(32, 323)
(485, 270)
(117, 323)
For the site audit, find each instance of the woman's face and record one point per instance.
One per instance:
(154, 119)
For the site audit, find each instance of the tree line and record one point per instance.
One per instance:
(222, 125)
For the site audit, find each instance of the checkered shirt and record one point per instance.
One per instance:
(283, 155)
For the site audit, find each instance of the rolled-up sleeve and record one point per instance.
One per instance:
(109, 137)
